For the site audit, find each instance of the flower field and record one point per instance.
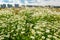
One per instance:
(29, 24)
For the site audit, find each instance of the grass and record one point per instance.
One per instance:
(29, 24)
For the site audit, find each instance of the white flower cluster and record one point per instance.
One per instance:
(29, 24)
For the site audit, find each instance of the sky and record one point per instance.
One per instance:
(43, 2)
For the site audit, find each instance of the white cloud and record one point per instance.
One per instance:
(38, 2)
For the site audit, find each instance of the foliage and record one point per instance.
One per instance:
(30, 24)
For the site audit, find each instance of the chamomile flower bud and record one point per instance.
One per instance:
(32, 37)
(43, 37)
(47, 30)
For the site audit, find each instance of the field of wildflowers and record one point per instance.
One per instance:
(29, 24)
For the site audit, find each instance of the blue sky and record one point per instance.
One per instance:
(31, 0)
(12, 1)
(23, 0)
(5, 0)
(55, 2)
